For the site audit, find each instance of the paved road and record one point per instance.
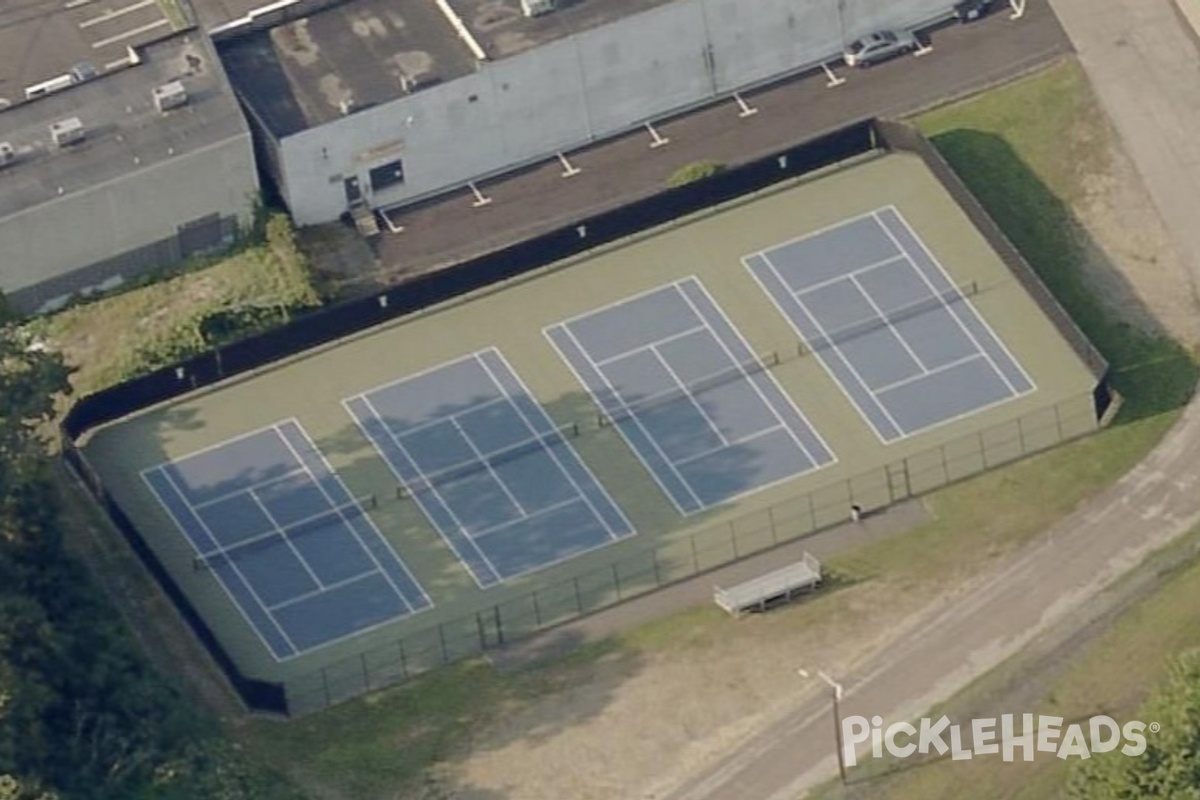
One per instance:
(1144, 67)
(964, 59)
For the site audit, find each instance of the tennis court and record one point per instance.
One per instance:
(691, 399)
(888, 324)
(294, 551)
(488, 467)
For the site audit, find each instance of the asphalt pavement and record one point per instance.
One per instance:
(1144, 67)
(963, 59)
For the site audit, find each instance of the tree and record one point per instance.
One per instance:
(1170, 767)
(83, 716)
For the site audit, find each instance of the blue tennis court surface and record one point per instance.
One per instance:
(689, 396)
(889, 324)
(292, 548)
(488, 467)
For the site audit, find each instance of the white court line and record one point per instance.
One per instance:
(813, 234)
(748, 438)
(749, 378)
(978, 317)
(575, 456)
(410, 378)
(462, 529)
(487, 465)
(892, 328)
(107, 15)
(129, 34)
(540, 512)
(788, 315)
(689, 394)
(233, 565)
(854, 273)
(615, 304)
(283, 535)
(644, 347)
(217, 446)
(449, 417)
(242, 490)
(333, 587)
(623, 406)
(957, 320)
(958, 362)
(312, 446)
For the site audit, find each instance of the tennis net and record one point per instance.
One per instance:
(725, 375)
(512, 452)
(330, 518)
(891, 317)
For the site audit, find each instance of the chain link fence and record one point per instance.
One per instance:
(632, 574)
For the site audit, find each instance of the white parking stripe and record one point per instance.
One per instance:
(129, 34)
(107, 15)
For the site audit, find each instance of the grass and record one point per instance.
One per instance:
(1025, 150)
(1112, 674)
(120, 336)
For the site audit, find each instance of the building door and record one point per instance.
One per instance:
(353, 190)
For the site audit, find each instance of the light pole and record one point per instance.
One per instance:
(837, 690)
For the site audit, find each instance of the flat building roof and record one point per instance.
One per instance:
(124, 131)
(359, 54)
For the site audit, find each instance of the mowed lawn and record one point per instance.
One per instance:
(1025, 149)
(1111, 673)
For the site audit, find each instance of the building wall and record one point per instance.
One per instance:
(149, 219)
(573, 91)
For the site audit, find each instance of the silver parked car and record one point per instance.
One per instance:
(877, 46)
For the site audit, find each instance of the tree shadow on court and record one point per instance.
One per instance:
(1152, 372)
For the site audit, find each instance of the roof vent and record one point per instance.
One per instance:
(535, 8)
(67, 131)
(170, 95)
(7, 154)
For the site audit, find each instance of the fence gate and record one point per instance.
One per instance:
(897, 479)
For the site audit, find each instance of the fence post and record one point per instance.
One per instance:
(812, 514)
(403, 659)
(366, 671)
(654, 561)
(733, 540)
(982, 449)
(1021, 435)
(442, 639)
(771, 525)
(537, 609)
(499, 625)
(578, 596)
(616, 579)
(695, 558)
(325, 685)
(1058, 422)
(945, 463)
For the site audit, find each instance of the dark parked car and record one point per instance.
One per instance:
(969, 10)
